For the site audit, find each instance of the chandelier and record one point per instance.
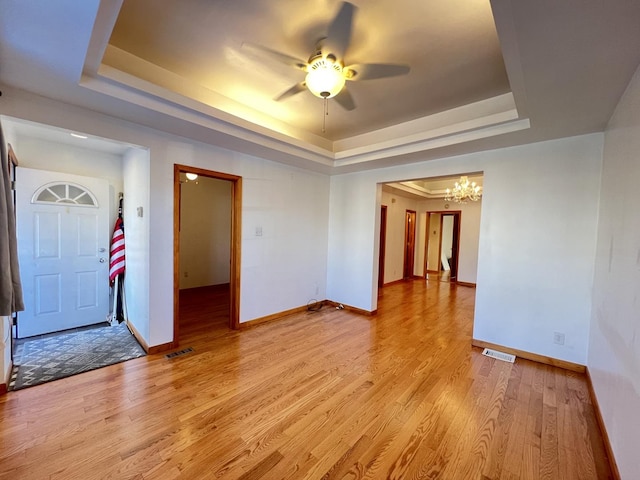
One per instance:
(463, 191)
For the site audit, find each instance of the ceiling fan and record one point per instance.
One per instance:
(326, 70)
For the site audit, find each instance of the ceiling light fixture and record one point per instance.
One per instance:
(463, 191)
(192, 176)
(325, 78)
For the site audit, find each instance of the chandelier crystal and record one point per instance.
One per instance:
(464, 191)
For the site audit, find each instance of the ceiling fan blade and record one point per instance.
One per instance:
(261, 51)
(345, 100)
(339, 32)
(297, 88)
(372, 71)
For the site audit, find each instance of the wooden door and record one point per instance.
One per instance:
(383, 244)
(409, 243)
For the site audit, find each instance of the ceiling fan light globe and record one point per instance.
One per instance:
(325, 81)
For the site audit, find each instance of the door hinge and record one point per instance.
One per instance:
(13, 184)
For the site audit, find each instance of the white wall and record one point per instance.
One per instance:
(470, 214)
(354, 219)
(280, 270)
(136, 195)
(536, 252)
(614, 341)
(397, 207)
(60, 157)
(536, 256)
(205, 232)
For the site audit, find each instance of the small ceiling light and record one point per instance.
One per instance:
(325, 78)
(463, 191)
(192, 176)
(77, 135)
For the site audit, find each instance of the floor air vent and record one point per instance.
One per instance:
(505, 357)
(178, 353)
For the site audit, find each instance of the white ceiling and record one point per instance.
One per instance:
(208, 53)
(552, 69)
(25, 129)
(429, 188)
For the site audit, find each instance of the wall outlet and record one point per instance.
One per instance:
(186, 274)
(258, 231)
(558, 338)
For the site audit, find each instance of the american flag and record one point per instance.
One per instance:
(116, 264)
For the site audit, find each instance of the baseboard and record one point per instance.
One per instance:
(465, 284)
(136, 334)
(394, 282)
(603, 429)
(574, 367)
(277, 316)
(163, 347)
(270, 318)
(359, 311)
(150, 350)
(4, 387)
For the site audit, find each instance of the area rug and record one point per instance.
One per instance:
(50, 358)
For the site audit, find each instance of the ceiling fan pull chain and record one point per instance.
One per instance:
(324, 116)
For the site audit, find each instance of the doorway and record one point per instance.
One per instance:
(442, 246)
(67, 213)
(383, 245)
(225, 293)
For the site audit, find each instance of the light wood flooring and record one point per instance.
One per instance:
(331, 395)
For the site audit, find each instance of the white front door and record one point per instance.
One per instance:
(63, 250)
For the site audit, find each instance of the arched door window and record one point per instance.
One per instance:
(64, 193)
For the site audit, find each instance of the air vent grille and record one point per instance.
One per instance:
(505, 357)
(179, 353)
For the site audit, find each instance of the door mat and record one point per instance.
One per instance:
(50, 358)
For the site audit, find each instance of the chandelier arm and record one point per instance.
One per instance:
(464, 191)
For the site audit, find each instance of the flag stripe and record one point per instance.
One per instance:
(117, 261)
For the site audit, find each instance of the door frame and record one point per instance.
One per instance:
(234, 270)
(383, 245)
(457, 222)
(409, 231)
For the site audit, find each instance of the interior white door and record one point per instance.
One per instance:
(63, 250)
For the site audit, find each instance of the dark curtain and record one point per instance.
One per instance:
(10, 286)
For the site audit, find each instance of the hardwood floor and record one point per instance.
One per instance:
(400, 395)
